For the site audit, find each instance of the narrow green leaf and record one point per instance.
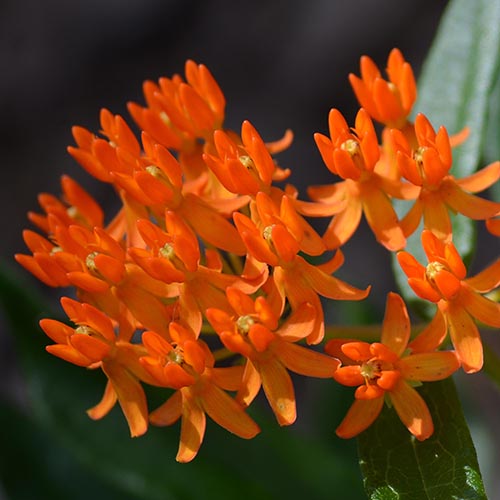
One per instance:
(397, 466)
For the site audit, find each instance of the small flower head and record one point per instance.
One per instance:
(386, 369)
(459, 299)
(387, 101)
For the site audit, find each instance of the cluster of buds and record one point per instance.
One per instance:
(203, 282)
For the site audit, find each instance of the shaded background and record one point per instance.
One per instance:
(281, 64)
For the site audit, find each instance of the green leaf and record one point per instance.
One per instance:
(397, 466)
(455, 90)
(279, 463)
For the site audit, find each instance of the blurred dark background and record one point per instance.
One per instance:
(281, 64)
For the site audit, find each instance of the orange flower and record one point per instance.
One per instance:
(252, 331)
(459, 299)
(243, 166)
(353, 155)
(388, 102)
(386, 369)
(178, 112)
(428, 166)
(94, 344)
(275, 238)
(173, 257)
(186, 364)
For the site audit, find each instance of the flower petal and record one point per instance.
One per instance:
(486, 280)
(429, 366)
(279, 391)
(468, 204)
(412, 410)
(305, 361)
(224, 410)
(193, 426)
(130, 396)
(465, 337)
(432, 336)
(382, 218)
(169, 412)
(396, 326)
(104, 406)
(483, 309)
(360, 416)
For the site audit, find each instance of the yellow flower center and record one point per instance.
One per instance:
(246, 161)
(167, 251)
(85, 330)
(432, 270)
(90, 261)
(352, 147)
(176, 356)
(371, 369)
(244, 323)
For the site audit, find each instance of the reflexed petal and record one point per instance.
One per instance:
(468, 204)
(130, 396)
(465, 337)
(279, 391)
(344, 224)
(412, 410)
(327, 285)
(169, 412)
(104, 406)
(429, 366)
(382, 218)
(486, 280)
(432, 336)
(360, 416)
(436, 217)
(192, 430)
(482, 179)
(305, 361)
(250, 385)
(396, 326)
(224, 410)
(409, 223)
(228, 378)
(483, 309)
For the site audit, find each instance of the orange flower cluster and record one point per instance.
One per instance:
(203, 283)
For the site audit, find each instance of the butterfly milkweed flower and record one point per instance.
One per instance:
(460, 300)
(252, 330)
(352, 154)
(386, 369)
(387, 101)
(186, 364)
(95, 343)
(428, 166)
